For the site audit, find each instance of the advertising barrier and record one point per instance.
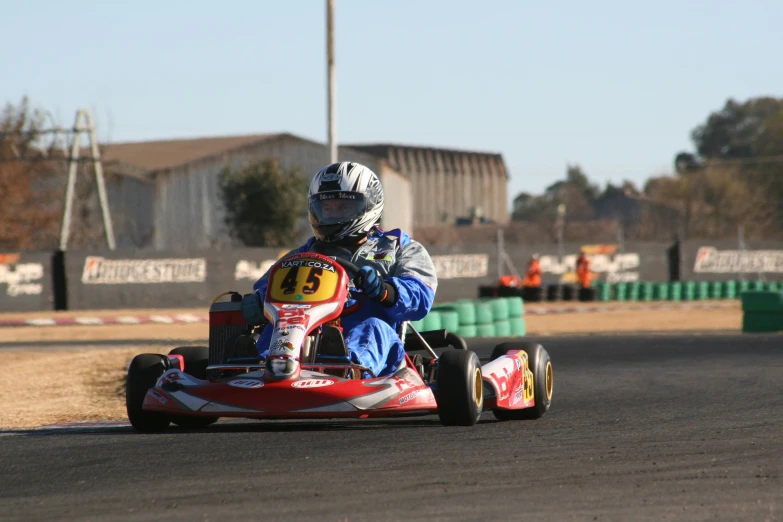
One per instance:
(82, 280)
(26, 282)
(723, 260)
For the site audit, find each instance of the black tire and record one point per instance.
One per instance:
(543, 379)
(553, 292)
(587, 294)
(196, 362)
(486, 291)
(533, 294)
(192, 423)
(459, 388)
(568, 292)
(143, 373)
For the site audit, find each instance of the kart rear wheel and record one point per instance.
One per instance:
(543, 380)
(143, 373)
(459, 391)
(196, 362)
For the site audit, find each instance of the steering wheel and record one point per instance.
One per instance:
(352, 270)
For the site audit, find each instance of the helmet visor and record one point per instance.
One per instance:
(333, 208)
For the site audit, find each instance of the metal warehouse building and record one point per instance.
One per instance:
(164, 194)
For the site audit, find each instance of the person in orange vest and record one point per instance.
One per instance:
(583, 270)
(533, 276)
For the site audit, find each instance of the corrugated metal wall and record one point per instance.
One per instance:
(188, 212)
(450, 184)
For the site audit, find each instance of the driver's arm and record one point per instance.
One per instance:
(414, 282)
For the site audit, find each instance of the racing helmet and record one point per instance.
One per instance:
(345, 202)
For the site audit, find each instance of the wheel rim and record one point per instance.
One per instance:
(477, 387)
(549, 381)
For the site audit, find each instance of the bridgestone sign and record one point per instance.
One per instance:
(456, 266)
(102, 271)
(712, 260)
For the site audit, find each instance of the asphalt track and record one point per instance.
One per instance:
(641, 428)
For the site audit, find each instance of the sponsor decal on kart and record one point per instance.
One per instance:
(281, 347)
(157, 396)
(246, 383)
(409, 397)
(20, 277)
(312, 383)
(296, 305)
(518, 395)
(101, 271)
(175, 376)
(291, 317)
(312, 263)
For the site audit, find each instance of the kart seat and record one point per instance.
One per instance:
(332, 349)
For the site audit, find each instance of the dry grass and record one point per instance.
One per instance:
(40, 388)
(46, 386)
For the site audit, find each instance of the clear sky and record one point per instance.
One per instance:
(615, 86)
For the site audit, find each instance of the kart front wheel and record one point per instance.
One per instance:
(143, 373)
(543, 380)
(459, 391)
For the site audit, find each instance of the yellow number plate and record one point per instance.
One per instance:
(303, 284)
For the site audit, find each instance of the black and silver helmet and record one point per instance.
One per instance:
(345, 202)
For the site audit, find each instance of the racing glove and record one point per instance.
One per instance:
(375, 288)
(253, 309)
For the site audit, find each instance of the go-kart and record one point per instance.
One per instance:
(308, 373)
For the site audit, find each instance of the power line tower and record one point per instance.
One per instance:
(83, 124)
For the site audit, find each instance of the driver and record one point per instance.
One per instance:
(397, 280)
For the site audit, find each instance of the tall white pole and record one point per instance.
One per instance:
(332, 82)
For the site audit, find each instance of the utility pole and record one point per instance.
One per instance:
(331, 81)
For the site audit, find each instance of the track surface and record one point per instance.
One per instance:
(641, 428)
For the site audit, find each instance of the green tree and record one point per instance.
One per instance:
(263, 203)
(737, 130)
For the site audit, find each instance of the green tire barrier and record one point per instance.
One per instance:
(517, 326)
(603, 291)
(661, 292)
(675, 291)
(762, 301)
(620, 291)
(744, 286)
(466, 312)
(502, 328)
(761, 322)
(702, 290)
(484, 314)
(485, 330)
(516, 307)
(498, 306)
(730, 290)
(717, 289)
(773, 286)
(467, 331)
(449, 319)
(646, 291)
(762, 311)
(689, 291)
(633, 291)
(432, 322)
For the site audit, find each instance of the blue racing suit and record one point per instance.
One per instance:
(370, 327)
